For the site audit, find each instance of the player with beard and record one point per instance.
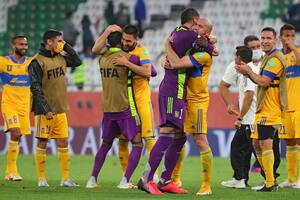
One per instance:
(141, 88)
(15, 104)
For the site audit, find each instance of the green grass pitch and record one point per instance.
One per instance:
(111, 174)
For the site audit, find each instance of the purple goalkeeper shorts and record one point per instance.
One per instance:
(171, 111)
(114, 124)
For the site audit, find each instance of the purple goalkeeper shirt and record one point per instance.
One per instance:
(174, 81)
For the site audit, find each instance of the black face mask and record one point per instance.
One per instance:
(20, 52)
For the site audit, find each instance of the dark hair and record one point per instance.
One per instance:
(16, 37)
(269, 29)
(289, 27)
(131, 30)
(188, 15)
(114, 38)
(245, 53)
(250, 38)
(51, 34)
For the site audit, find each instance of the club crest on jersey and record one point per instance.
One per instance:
(9, 68)
(55, 73)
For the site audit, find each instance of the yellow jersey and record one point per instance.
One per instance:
(197, 90)
(292, 80)
(16, 82)
(270, 114)
(141, 86)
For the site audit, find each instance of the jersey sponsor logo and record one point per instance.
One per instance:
(200, 54)
(109, 72)
(55, 73)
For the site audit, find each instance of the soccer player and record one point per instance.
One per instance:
(172, 93)
(241, 144)
(271, 101)
(142, 92)
(47, 73)
(197, 99)
(291, 118)
(15, 104)
(120, 114)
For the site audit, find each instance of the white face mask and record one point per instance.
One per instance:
(257, 54)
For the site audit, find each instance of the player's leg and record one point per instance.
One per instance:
(288, 134)
(298, 162)
(12, 124)
(277, 158)
(12, 155)
(266, 135)
(60, 134)
(206, 157)
(43, 129)
(131, 129)
(110, 130)
(248, 152)
(123, 152)
(40, 161)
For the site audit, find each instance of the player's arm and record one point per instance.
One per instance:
(142, 70)
(229, 78)
(99, 46)
(273, 67)
(36, 76)
(72, 58)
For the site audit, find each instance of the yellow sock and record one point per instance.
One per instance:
(150, 142)
(298, 162)
(12, 156)
(268, 162)
(64, 159)
(123, 154)
(178, 167)
(291, 163)
(259, 158)
(40, 162)
(206, 165)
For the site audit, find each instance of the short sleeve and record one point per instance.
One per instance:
(231, 75)
(273, 68)
(144, 56)
(200, 59)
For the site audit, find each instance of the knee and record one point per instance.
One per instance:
(62, 143)
(107, 142)
(15, 134)
(42, 143)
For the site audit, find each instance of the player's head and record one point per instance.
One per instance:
(130, 38)
(114, 39)
(203, 27)
(268, 39)
(253, 43)
(19, 45)
(53, 41)
(189, 15)
(243, 53)
(287, 34)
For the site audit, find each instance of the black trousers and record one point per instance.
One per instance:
(241, 152)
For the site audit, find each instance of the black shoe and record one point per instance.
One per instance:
(273, 188)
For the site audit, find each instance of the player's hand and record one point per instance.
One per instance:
(216, 51)
(113, 28)
(120, 60)
(49, 115)
(212, 39)
(231, 110)
(238, 123)
(290, 43)
(166, 64)
(243, 68)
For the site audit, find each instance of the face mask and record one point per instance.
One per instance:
(59, 48)
(257, 54)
